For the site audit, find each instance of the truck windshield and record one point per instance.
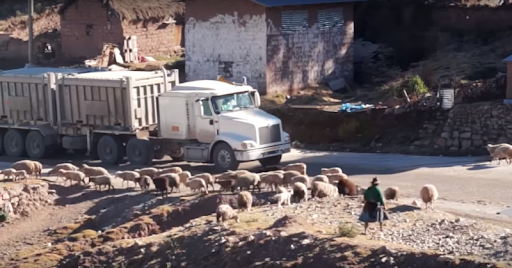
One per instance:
(232, 102)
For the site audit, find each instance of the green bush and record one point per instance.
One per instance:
(418, 86)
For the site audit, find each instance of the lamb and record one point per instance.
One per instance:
(161, 185)
(391, 193)
(346, 186)
(273, 180)
(429, 195)
(38, 169)
(244, 201)
(333, 170)
(102, 180)
(197, 184)
(322, 189)
(31, 167)
(184, 177)
(143, 182)
(72, 175)
(288, 175)
(321, 178)
(207, 177)
(246, 180)
(284, 198)
(8, 173)
(20, 174)
(65, 166)
(335, 178)
(299, 167)
(224, 213)
(500, 151)
(281, 189)
(173, 181)
(300, 192)
(128, 176)
(176, 170)
(93, 171)
(301, 178)
(150, 171)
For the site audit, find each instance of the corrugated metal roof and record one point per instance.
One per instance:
(281, 3)
(509, 58)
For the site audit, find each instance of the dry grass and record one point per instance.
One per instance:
(85, 234)
(348, 230)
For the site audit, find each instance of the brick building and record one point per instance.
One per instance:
(279, 45)
(87, 24)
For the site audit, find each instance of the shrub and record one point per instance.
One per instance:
(418, 86)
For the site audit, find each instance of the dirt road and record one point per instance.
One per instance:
(467, 185)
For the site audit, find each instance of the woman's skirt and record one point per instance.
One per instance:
(373, 213)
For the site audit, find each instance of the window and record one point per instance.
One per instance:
(226, 69)
(330, 19)
(207, 111)
(232, 102)
(88, 29)
(294, 20)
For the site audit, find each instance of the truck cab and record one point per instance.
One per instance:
(221, 123)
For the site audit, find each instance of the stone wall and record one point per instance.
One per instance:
(315, 48)
(22, 198)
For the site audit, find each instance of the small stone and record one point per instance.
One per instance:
(465, 135)
(446, 258)
(455, 134)
(445, 135)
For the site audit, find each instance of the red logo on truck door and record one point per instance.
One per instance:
(175, 129)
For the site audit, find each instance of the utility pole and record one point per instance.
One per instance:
(31, 31)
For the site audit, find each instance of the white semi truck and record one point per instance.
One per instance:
(138, 115)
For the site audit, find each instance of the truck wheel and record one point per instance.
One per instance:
(270, 161)
(35, 145)
(159, 154)
(139, 152)
(110, 150)
(14, 143)
(224, 158)
(178, 155)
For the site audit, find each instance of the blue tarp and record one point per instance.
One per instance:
(351, 108)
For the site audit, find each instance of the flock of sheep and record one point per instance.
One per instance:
(290, 182)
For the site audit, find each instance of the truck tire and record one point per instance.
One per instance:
(35, 145)
(159, 154)
(110, 150)
(224, 158)
(139, 152)
(178, 156)
(14, 143)
(270, 161)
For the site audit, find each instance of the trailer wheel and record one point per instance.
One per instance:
(139, 152)
(14, 143)
(178, 155)
(270, 161)
(110, 150)
(224, 157)
(35, 145)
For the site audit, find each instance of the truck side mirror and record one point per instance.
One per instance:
(257, 99)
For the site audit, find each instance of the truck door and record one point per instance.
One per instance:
(205, 122)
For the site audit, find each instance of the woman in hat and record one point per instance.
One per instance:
(373, 210)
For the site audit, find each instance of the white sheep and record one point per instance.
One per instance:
(20, 174)
(102, 180)
(322, 189)
(173, 181)
(301, 178)
(391, 193)
(333, 170)
(8, 173)
(31, 167)
(184, 177)
(288, 175)
(224, 213)
(272, 180)
(244, 200)
(300, 167)
(175, 170)
(499, 151)
(128, 176)
(246, 180)
(197, 184)
(300, 192)
(65, 166)
(321, 178)
(284, 198)
(144, 182)
(429, 195)
(71, 175)
(92, 171)
(281, 189)
(149, 171)
(207, 177)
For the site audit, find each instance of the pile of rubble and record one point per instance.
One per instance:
(22, 198)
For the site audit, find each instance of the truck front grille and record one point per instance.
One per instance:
(270, 134)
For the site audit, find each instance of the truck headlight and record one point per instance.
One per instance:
(287, 138)
(247, 145)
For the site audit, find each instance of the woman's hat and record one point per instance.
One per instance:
(375, 181)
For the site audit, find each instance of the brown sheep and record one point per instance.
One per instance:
(347, 187)
(288, 175)
(429, 195)
(244, 201)
(391, 193)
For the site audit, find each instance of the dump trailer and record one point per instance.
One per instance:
(139, 115)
